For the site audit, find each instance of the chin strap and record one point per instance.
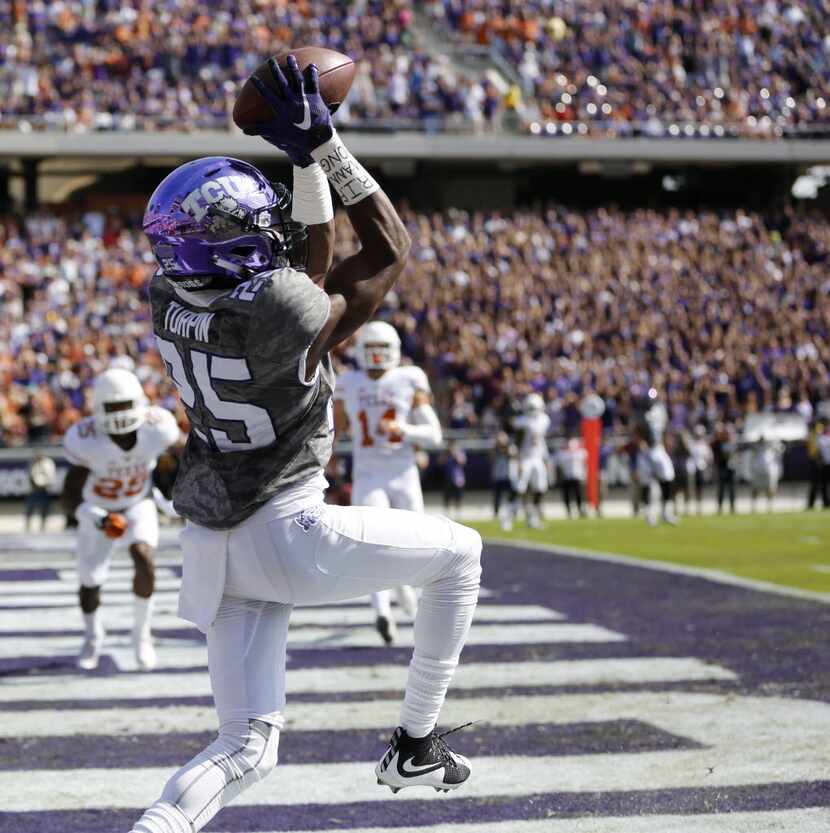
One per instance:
(236, 268)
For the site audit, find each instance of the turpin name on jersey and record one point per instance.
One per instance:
(186, 323)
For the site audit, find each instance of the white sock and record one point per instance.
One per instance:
(142, 611)
(381, 603)
(445, 613)
(163, 817)
(92, 625)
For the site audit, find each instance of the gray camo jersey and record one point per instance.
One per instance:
(256, 427)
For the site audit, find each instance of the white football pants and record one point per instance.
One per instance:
(324, 554)
(95, 550)
(390, 490)
(533, 475)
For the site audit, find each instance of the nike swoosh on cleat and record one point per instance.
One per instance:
(409, 769)
(306, 122)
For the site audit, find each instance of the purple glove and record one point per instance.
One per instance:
(301, 120)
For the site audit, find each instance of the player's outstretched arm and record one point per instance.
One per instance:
(358, 284)
(73, 489)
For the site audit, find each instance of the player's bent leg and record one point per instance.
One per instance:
(246, 657)
(332, 553)
(90, 601)
(407, 599)
(243, 754)
(93, 553)
(372, 491)
(405, 493)
(417, 755)
(144, 580)
(384, 620)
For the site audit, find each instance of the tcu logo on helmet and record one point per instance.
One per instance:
(221, 192)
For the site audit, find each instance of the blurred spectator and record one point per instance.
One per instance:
(455, 477)
(592, 67)
(724, 455)
(815, 463)
(823, 443)
(178, 64)
(722, 310)
(42, 473)
(502, 476)
(698, 461)
(765, 470)
(572, 464)
(674, 68)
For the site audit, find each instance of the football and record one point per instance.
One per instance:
(336, 70)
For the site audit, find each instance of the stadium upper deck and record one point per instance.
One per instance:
(588, 67)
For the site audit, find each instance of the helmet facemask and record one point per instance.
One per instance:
(122, 417)
(218, 221)
(285, 240)
(377, 356)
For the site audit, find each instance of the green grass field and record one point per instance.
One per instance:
(790, 548)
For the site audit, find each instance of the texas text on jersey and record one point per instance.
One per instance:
(369, 402)
(244, 388)
(119, 479)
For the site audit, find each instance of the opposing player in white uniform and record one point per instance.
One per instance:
(387, 407)
(246, 333)
(534, 459)
(765, 470)
(110, 488)
(658, 467)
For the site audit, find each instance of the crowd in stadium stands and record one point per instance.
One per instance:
(679, 67)
(724, 312)
(135, 64)
(759, 67)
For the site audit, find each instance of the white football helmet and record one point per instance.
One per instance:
(378, 346)
(534, 403)
(119, 405)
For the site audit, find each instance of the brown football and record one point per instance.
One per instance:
(336, 75)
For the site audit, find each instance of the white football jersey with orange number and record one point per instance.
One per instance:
(369, 401)
(119, 479)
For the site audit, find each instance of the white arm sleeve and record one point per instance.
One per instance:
(164, 505)
(93, 513)
(425, 429)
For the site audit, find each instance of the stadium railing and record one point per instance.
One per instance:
(416, 146)
(14, 462)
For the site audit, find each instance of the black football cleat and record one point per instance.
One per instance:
(422, 762)
(386, 628)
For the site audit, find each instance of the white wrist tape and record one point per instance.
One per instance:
(311, 198)
(346, 175)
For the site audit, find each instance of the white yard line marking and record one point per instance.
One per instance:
(379, 715)
(588, 672)
(34, 590)
(114, 617)
(69, 600)
(760, 743)
(325, 638)
(773, 821)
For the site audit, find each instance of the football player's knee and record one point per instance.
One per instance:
(144, 579)
(90, 598)
(257, 755)
(467, 546)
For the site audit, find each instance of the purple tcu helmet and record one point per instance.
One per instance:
(215, 221)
